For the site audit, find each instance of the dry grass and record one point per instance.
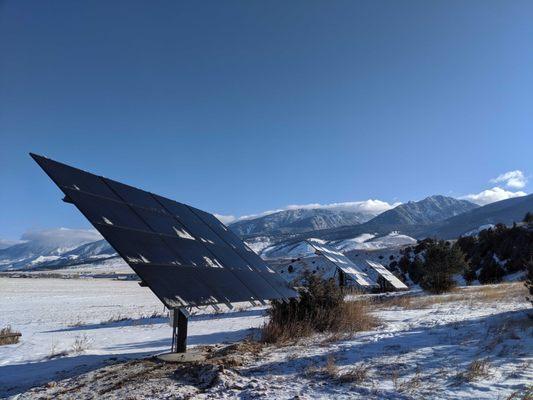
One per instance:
(476, 370)
(349, 318)
(357, 374)
(409, 385)
(9, 336)
(473, 294)
(396, 302)
(330, 368)
(81, 343)
(55, 353)
(526, 394)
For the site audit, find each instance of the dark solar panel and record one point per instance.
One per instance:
(186, 256)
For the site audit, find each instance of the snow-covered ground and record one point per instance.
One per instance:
(423, 348)
(55, 314)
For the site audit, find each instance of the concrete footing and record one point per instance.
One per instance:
(190, 356)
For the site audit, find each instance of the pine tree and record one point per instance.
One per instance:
(442, 261)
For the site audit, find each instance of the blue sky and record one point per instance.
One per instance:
(238, 107)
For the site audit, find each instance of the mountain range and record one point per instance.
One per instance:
(297, 221)
(435, 216)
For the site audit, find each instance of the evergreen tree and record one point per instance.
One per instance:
(491, 271)
(442, 261)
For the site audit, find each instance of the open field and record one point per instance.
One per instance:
(94, 338)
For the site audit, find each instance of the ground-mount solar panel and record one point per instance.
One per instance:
(387, 275)
(342, 262)
(186, 256)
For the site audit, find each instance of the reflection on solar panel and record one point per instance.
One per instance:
(387, 275)
(186, 256)
(342, 262)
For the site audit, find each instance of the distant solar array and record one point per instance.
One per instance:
(388, 276)
(342, 262)
(355, 272)
(186, 256)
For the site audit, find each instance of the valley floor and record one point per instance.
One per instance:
(94, 338)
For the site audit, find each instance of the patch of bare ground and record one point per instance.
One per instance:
(472, 294)
(235, 355)
(151, 378)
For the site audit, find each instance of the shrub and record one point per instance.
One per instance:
(442, 261)
(9, 336)
(320, 308)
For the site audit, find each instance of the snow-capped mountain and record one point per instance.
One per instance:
(411, 218)
(435, 216)
(298, 221)
(501, 212)
(52, 247)
(365, 242)
(427, 211)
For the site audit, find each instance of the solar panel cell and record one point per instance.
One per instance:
(132, 195)
(138, 247)
(101, 210)
(64, 175)
(190, 221)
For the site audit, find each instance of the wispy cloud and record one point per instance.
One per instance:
(492, 195)
(5, 243)
(513, 179)
(369, 207)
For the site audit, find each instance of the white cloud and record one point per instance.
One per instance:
(62, 237)
(5, 243)
(225, 219)
(514, 179)
(492, 195)
(368, 207)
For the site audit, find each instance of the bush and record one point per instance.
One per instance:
(9, 336)
(320, 308)
(442, 261)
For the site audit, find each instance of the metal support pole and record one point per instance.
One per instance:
(181, 339)
(179, 331)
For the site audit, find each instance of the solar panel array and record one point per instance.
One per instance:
(186, 256)
(342, 262)
(387, 275)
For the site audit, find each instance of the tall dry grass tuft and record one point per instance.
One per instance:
(476, 370)
(320, 308)
(9, 336)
